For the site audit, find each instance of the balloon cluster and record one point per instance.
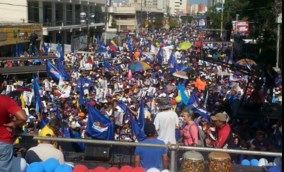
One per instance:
(52, 165)
(274, 166)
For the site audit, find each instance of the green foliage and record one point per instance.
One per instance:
(261, 14)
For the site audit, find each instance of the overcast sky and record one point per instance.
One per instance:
(191, 1)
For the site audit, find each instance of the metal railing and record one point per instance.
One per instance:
(171, 147)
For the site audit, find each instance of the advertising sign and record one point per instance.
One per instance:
(242, 27)
(200, 22)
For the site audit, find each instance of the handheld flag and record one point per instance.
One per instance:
(102, 46)
(99, 126)
(46, 48)
(160, 56)
(53, 71)
(130, 45)
(64, 74)
(36, 89)
(173, 66)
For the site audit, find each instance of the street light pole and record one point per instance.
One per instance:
(222, 19)
(106, 20)
(236, 25)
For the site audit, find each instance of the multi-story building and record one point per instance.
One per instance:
(122, 18)
(211, 3)
(60, 18)
(171, 7)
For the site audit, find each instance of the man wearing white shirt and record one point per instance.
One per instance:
(166, 122)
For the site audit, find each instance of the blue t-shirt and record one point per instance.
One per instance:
(151, 157)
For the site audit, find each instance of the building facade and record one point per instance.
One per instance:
(60, 19)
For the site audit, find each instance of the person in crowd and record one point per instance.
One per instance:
(11, 116)
(149, 157)
(44, 151)
(224, 138)
(190, 132)
(166, 121)
(260, 142)
(52, 129)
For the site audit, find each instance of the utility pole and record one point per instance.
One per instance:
(106, 20)
(278, 21)
(222, 19)
(141, 14)
(236, 25)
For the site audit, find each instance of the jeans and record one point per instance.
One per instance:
(6, 156)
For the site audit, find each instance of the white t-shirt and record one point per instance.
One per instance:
(166, 123)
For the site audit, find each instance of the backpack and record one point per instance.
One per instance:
(201, 136)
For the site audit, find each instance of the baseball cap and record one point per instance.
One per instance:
(219, 117)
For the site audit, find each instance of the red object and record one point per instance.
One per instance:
(113, 169)
(126, 168)
(139, 169)
(7, 106)
(80, 168)
(99, 169)
(173, 102)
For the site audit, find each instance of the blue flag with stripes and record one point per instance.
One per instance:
(99, 126)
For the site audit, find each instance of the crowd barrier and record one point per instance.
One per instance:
(173, 148)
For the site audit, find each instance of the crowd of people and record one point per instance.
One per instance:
(189, 99)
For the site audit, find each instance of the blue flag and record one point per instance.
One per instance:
(36, 89)
(173, 66)
(98, 126)
(137, 127)
(81, 95)
(59, 52)
(160, 56)
(181, 90)
(52, 71)
(46, 48)
(101, 45)
(64, 74)
(127, 114)
(107, 65)
(130, 45)
(19, 50)
(193, 100)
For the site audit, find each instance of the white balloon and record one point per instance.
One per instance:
(153, 170)
(262, 162)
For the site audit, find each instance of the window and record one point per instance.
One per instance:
(59, 13)
(69, 14)
(33, 12)
(47, 13)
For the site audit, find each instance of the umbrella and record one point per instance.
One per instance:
(180, 74)
(184, 46)
(244, 62)
(139, 65)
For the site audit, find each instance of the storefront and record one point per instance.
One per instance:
(15, 38)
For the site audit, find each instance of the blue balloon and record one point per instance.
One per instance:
(254, 162)
(50, 165)
(63, 168)
(245, 162)
(35, 167)
(274, 169)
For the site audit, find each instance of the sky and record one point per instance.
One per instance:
(191, 1)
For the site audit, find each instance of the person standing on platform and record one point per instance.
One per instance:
(149, 157)
(11, 116)
(166, 122)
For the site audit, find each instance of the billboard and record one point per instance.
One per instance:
(242, 27)
(200, 22)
